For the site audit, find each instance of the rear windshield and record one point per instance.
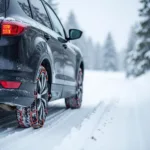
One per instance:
(3, 7)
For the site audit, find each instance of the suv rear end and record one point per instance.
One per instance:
(18, 63)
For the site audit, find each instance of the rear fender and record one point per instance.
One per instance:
(42, 52)
(79, 62)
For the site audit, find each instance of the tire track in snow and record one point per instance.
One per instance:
(53, 113)
(106, 110)
(53, 136)
(8, 119)
(9, 125)
(14, 130)
(88, 126)
(52, 125)
(26, 133)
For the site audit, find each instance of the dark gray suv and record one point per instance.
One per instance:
(38, 63)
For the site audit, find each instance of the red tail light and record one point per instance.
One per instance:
(10, 84)
(12, 28)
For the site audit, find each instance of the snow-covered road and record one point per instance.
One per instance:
(114, 116)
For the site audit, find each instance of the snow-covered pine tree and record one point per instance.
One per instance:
(72, 22)
(121, 60)
(142, 51)
(129, 58)
(98, 57)
(110, 60)
(90, 54)
(85, 45)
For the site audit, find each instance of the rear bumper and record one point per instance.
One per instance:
(17, 101)
(23, 96)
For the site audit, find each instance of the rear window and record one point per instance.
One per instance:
(3, 6)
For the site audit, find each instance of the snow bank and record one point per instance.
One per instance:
(142, 87)
(77, 138)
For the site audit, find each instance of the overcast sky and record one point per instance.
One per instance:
(98, 17)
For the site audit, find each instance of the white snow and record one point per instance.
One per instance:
(121, 125)
(114, 116)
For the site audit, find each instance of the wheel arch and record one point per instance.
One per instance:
(46, 64)
(42, 55)
(82, 66)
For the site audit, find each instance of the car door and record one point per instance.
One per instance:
(68, 50)
(55, 49)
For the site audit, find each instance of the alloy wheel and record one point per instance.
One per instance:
(39, 106)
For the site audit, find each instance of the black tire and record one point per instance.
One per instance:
(35, 115)
(75, 102)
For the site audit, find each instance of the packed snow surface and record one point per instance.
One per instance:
(114, 116)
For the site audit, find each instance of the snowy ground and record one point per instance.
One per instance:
(114, 116)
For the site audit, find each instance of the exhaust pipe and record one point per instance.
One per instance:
(7, 107)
